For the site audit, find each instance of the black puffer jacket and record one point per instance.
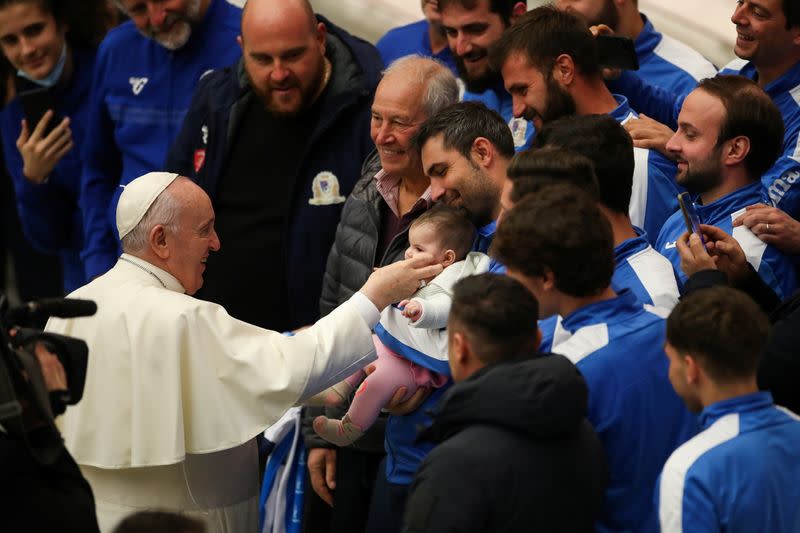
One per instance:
(350, 263)
(515, 454)
(352, 255)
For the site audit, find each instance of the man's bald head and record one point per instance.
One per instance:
(283, 46)
(266, 11)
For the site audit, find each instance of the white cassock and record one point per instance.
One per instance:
(177, 389)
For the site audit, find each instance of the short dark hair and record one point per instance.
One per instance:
(606, 143)
(456, 231)
(532, 170)
(724, 328)
(499, 314)
(159, 522)
(87, 21)
(791, 10)
(749, 112)
(460, 124)
(504, 8)
(560, 229)
(545, 33)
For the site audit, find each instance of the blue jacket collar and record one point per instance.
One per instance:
(623, 111)
(628, 247)
(782, 85)
(723, 207)
(740, 404)
(483, 239)
(610, 311)
(647, 40)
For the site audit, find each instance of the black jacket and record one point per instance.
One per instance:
(515, 454)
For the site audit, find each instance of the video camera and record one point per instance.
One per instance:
(25, 403)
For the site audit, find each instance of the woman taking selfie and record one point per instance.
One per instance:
(49, 48)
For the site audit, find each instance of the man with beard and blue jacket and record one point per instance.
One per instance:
(559, 245)
(471, 28)
(768, 50)
(144, 77)
(536, 467)
(550, 65)
(740, 473)
(729, 133)
(277, 141)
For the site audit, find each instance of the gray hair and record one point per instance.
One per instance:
(441, 88)
(163, 211)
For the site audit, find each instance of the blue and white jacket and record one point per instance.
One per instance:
(648, 274)
(412, 39)
(140, 94)
(739, 475)
(618, 345)
(779, 181)
(50, 212)
(669, 63)
(498, 99)
(775, 268)
(654, 197)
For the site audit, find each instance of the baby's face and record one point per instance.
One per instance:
(422, 238)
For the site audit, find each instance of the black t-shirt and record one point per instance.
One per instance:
(253, 202)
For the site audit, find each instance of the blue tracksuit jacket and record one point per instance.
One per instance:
(779, 181)
(655, 193)
(775, 268)
(50, 213)
(140, 94)
(668, 63)
(648, 274)
(740, 475)
(618, 345)
(412, 39)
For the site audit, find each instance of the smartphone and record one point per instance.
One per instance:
(615, 51)
(35, 103)
(690, 217)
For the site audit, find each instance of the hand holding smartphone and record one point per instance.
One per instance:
(35, 103)
(690, 216)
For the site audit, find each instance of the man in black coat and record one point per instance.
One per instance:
(515, 452)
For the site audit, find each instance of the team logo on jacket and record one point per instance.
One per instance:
(325, 189)
(137, 84)
(518, 127)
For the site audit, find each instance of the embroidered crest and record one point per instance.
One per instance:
(137, 84)
(326, 190)
(199, 159)
(518, 127)
(204, 132)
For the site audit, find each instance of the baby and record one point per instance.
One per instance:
(410, 339)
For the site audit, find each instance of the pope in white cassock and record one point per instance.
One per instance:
(176, 389)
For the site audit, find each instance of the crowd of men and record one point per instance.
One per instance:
(627, 365)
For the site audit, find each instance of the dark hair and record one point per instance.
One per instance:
(791, 10)
(606, 143)
(498, 314)
(560, 230)
(751, 113)
(460, 124)
(453, 227)
(545, 33)
(724, 328)
(504, 8)
(159, 522)
(532, 170)
(88, 20)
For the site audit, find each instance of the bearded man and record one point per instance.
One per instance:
(277, 142)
